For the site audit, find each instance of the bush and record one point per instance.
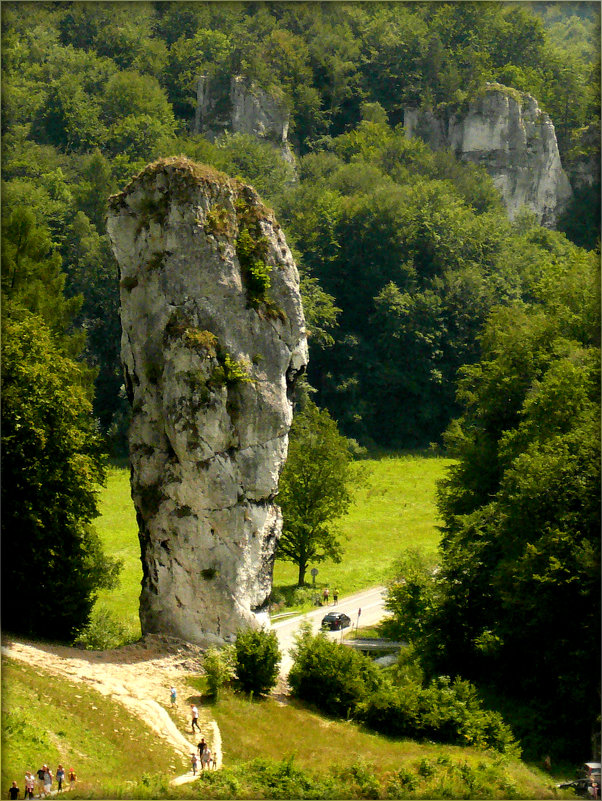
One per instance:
(219, 667)
(103, 631)
(257, 660)
(445, 712)
(332, 676)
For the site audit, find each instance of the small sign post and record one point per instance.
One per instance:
(314, 573)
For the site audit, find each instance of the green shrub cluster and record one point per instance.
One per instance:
(251, 252)
(340, 681)
(442, 777)
(444, 711)
(219, 667)
(257, 660)
(293, 596)
(333, 677)
(104, 631)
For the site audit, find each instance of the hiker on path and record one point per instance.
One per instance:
(60, 775)
(206, 758)
(201, 747)
(335, 596)
(40, 781)
(173, 695)
(194, 762)
(13, 791)
(195, 717)
(72, 778)
(325, 595)
(30, 784)
(47, 780)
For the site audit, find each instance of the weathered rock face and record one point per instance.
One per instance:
(505, 132)
(241, 108)
(213, 342)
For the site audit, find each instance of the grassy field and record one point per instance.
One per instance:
(319, 744)
(394, 509)
(118, 530)
(46, 719)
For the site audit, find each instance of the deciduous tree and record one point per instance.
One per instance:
(315, 490)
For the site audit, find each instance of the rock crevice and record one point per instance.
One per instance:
(213, 342)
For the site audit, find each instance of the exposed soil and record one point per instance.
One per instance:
(139, 677)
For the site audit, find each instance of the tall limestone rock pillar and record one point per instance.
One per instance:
(213, 341)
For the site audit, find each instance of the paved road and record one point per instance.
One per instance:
(371, 602)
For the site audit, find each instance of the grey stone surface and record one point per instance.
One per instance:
(505, 132)
(242, 107)
(210, 368)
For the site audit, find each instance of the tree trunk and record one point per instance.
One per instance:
(302, 569)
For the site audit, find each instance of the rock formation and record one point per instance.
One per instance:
(242, 107)
(213, 341)
(505, 132)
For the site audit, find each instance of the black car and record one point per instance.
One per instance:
(335, 621)
(587, 788)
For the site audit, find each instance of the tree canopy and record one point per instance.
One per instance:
(315, 490)
(517, 592)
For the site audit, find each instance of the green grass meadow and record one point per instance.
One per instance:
(394, 508)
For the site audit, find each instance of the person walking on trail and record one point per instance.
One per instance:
(335, 596)
(201, 747)
(47, 780)
(30, 784)
(195, 717)
(72, 778)
(194, 762)
(40, 780)
(173, 695)
(206, 758)
(13, 791)
(60, 775)
(325, 595)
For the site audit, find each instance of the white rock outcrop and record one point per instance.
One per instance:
(243, 107)
(505, 132)
(213, 341)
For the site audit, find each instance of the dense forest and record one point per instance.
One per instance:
(434, 319)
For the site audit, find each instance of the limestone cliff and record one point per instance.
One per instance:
(213, 341)
(242, 107)
(505, 132)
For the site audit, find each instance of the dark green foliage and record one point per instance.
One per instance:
(53, 563)
(331, 676)
(96, 91)
(518, 591)
(443, 711)
(256, 273)
(341, 681)
(257, 660)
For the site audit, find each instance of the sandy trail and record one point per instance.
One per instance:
(137, 676)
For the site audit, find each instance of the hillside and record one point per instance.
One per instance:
(106, 714)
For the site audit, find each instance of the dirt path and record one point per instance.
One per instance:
(137, 676)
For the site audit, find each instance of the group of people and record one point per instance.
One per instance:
(205, 757)
(326, 596)
(40, 782)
